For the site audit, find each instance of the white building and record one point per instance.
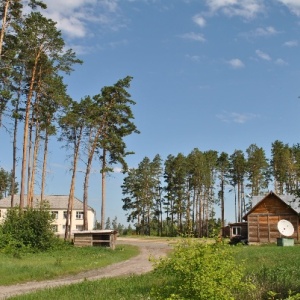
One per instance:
(58, 206)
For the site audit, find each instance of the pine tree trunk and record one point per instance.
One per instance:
(222, 206)
(25, 134)
(13, 177)
(85, 191)
(91, 153)
(44, 171)
(72, 188)
(34, 164)
(103, 193)
(29, 167)
(239, 202)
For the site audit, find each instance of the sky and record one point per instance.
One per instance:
(207, 74)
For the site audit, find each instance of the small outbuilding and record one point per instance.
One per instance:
(238, 230)
(266, 212)
(100, 238)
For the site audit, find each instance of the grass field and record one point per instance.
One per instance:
(271, 268)
(43, 266)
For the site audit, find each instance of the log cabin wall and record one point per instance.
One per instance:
(263, 219)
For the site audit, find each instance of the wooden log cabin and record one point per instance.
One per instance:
(266, 212)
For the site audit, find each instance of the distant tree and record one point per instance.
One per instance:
(114, 223)
(5, 184)
(236, 174)
(280, 165)
(140, 188)
(296, 166)
(120, 228)
(108, 224)
(257, 170)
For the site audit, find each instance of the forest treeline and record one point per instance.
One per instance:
(33, 62)
(179, 195)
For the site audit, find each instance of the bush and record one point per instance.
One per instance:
(28, 230)
(201, 271)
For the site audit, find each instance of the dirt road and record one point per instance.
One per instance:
(136, 265)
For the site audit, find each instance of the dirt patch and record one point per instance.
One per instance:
(136, 265)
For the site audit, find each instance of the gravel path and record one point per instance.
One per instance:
(136, 265)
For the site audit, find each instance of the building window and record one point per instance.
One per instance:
(54, 228)
(54, 214)
(79, 215)
(79, 227)
(64, 227)
(236, 231)
(0, 213)
(65, 214)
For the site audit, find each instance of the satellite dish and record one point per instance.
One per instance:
(285, 227)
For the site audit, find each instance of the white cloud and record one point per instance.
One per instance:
(118, 170)
(236, 63)
(199, 20)
(195, 58)
(280, 62)
(244, 8)
(73, 16)
(293, 5)
(79, 49)
(267, 31)
(233, 117)
(263, 55)
(193, 36)
(292, 43)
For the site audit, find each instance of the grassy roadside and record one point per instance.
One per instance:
(271, 268)
(44, 266)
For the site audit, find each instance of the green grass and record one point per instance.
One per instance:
(122, 288)
(271, 268)
(72, 260)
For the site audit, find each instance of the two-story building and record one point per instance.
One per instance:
(58, 206)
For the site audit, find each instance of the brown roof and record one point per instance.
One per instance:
(55, 201)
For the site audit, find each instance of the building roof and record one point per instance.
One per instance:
(55, 202)
(292, 201)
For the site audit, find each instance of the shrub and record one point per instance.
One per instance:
(201, 271)
(30, 229)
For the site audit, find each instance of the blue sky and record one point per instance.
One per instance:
(207, 74)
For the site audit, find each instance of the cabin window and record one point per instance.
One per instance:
(236, 230)
(79, 215)
(54, 214)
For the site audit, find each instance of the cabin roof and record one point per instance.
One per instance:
(292, 201)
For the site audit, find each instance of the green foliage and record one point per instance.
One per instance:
(5, 183)
(28, 230)
(201, 271)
